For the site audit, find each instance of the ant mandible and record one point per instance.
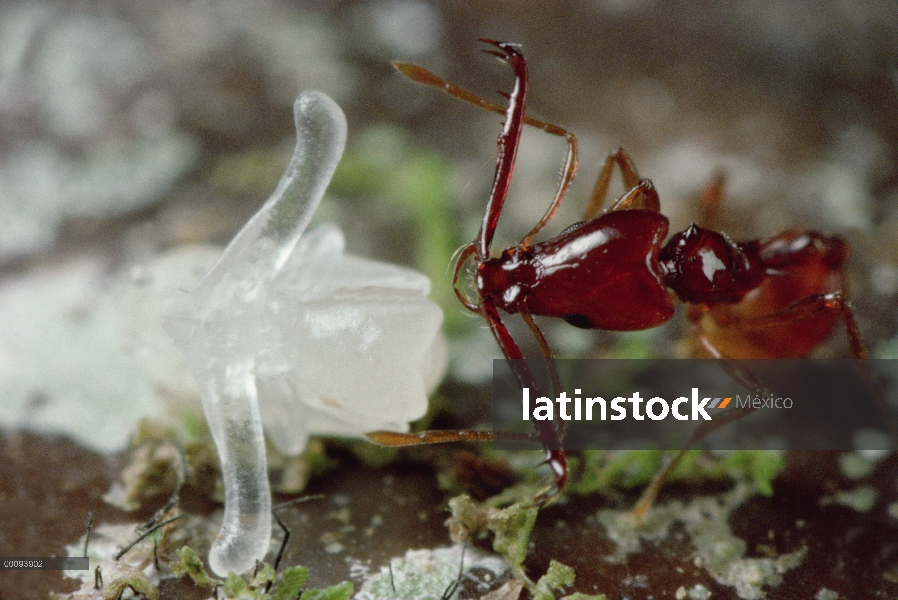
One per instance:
(775, 298)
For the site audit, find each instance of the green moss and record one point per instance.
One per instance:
(191, 564)
(263, 575)
(139, 584)
(511, 527)
(598, 471)
(291, 582)
(383, 162)
(234, 586)
(285, 587)
(556, 577)
(760, 467)
(341, 591)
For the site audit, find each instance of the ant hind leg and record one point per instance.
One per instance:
(710, 201)
(631, 199)
(741, 375)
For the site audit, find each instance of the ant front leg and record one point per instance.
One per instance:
(548, 435)
(634, 198)
(510, 54)
(710, 202)
(545, 430)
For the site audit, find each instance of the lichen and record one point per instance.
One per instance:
(511, 527)
(557, 576)
(265, 584)
(861, 499)
(718, 550)
(427, 574)
(191, 565)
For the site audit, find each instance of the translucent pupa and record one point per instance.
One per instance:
(288, 332)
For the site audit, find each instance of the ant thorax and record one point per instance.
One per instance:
(706, 267)
(602, 274)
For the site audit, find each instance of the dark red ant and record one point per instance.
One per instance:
(775, 298)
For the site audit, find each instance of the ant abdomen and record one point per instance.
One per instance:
(793, 310)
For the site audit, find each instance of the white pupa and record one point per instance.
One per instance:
(287, 332)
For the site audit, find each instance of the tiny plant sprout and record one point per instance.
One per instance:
(287, 331)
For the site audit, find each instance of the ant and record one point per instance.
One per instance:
(779, 297)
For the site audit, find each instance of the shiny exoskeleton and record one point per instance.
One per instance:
(613, 273)
(775, 298)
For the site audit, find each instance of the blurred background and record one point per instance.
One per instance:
(129, 128)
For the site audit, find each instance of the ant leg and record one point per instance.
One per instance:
(433, 436)
(809, 308)
(742, 376)
(812, 306)
(642, 196)
(710, 201)
(545, 432)
(631, 180)
(571, 161)
(421, 75)
(508, 142)
(568, 171)
(555, 456)
(553, 368)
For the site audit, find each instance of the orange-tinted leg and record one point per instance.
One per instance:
(631, 199)
(569, 168)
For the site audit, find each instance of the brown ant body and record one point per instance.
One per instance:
(775, 298)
